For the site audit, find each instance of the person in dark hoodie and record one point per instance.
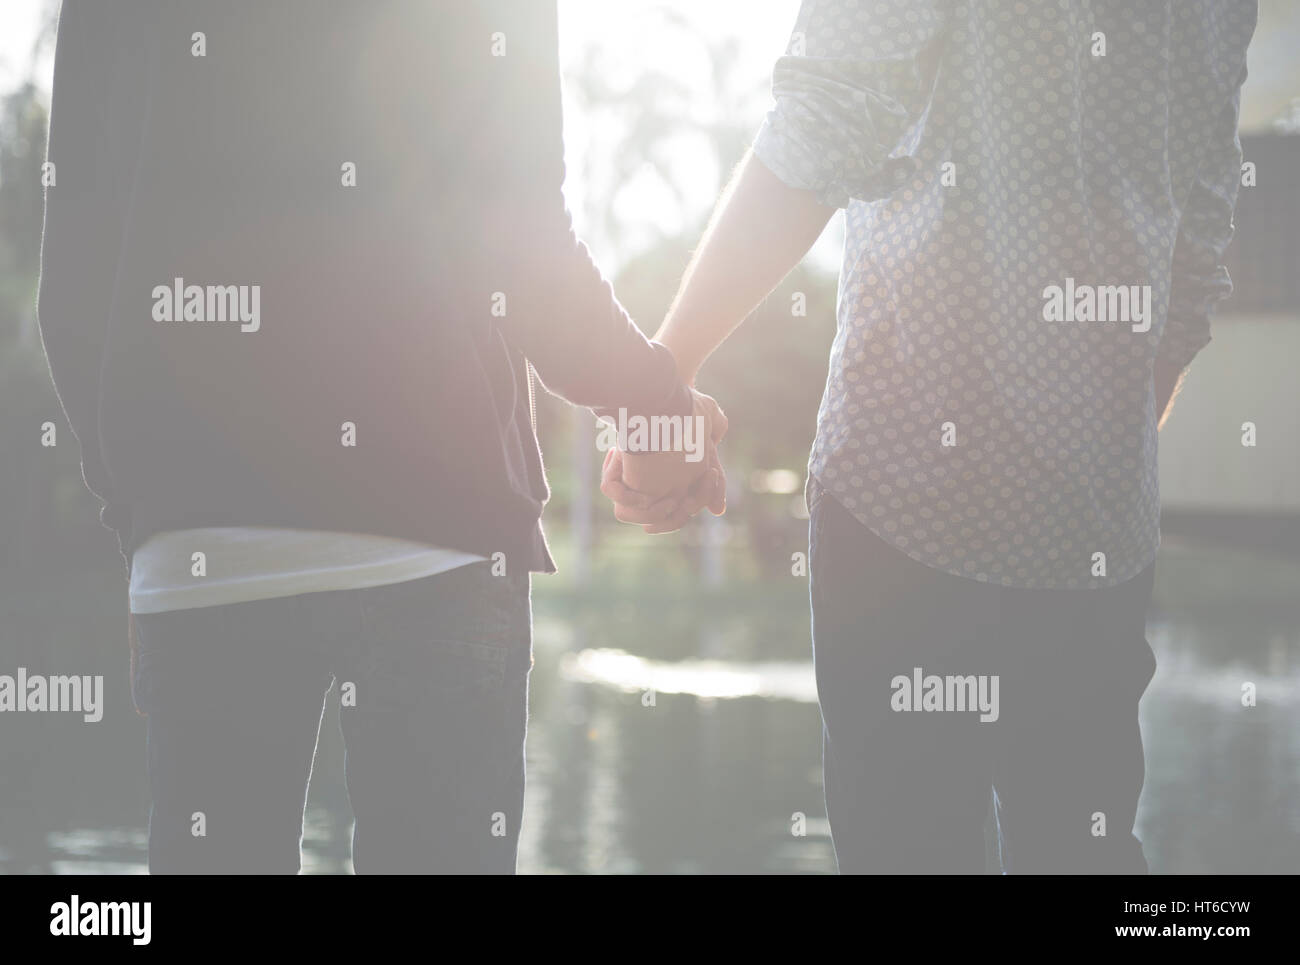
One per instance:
(298, 258)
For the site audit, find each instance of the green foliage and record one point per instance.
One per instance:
(47, 517)
(22, 150)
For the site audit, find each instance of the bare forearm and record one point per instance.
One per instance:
(759, 232)
(1168, 381)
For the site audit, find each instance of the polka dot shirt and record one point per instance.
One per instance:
(1038, 195)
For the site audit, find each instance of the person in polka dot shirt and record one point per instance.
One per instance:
(1037, 199)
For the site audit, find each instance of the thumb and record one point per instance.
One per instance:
(718, 422)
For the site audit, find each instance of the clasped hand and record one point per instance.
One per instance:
(662, 490)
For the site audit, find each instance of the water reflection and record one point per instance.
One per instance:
(776, 680)
(1222, 792)
(689, 741)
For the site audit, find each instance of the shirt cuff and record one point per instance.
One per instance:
(834, 177)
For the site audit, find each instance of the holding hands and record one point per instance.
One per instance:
(758, 232)
(660, 491)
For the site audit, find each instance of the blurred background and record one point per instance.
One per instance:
(662, 98)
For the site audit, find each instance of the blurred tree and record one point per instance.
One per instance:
(22, 207)
(47, 518)
(658, 128)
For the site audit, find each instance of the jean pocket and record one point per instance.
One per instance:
(158, 639)
(463, 632)
(418, 674)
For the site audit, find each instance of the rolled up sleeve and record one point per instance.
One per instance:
(856, 78)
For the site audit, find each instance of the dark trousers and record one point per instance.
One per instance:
(433, 679)
(908, 791)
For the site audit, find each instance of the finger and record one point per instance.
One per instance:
(671, 525)
(718, 422)
(611, 472)
(612, 486)
(711, 490)
(653, 514)
(676, 521)
(701, 493)
(621, 495)
(717, 501)
(695, 499)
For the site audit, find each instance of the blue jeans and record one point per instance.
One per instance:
(433, 678)
(908, 787)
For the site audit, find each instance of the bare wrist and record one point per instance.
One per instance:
(687, 366)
